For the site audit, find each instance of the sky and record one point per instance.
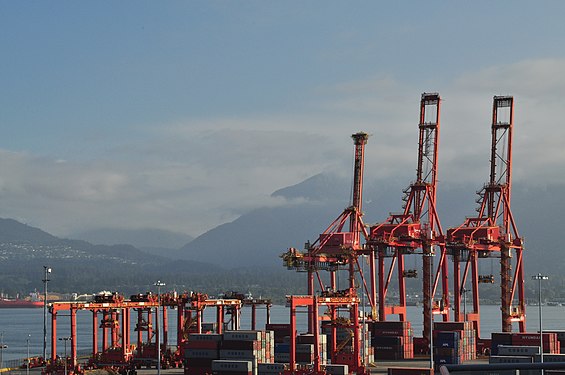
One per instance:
(182, 115)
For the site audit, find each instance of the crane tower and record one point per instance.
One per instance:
(417, 230)
(337, 247)
(493, 232)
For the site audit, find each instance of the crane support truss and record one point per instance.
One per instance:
(116, 340)
(417, 230)
(336, 247)
(493, 232)
(349, 301)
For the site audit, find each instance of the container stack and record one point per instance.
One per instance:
(514, 354)
(344, 337)
(499, 339)
(199, 352)
(281, 334)
(305, 348)
(227, 353)
(551, 344)
(560, 338)
(253, 346)
(467, 341)
(447, 348)
(231, 367)
(392, 340)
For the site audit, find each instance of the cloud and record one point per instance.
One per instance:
(197, 173)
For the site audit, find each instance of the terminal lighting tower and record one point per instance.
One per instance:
(158, 284)
(539, 277)
(47, 271)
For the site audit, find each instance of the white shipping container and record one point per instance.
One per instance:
(242, 335)
(510, 359)
(550, 357)
(518, 350)
(204, 337)
(239, 354)
(270, 368)
(232, 366)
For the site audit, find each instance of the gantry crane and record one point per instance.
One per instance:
(117, 350)
(493, 232)
(417, 230)
(335, 247)
(348, 300)
(249, 300)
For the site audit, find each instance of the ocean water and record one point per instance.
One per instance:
(17, 324)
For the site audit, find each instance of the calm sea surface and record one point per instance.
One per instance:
(17, 324)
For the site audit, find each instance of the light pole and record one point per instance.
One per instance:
(45, 280)
(539, 277)
(363, 309)
(464, 291)
(158, 284)
(27, 365)
(2, 347)
(430, 255)
(65, 339)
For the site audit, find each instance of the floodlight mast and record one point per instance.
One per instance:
(47, 271)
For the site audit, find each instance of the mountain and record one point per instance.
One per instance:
(259, 237)
(244, 254)
(12, 230)
(80, 265)
(143, 239)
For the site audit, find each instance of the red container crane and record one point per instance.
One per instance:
(493, 232)
(337, 247)
(417, 230)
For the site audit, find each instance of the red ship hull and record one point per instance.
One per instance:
(19, 304)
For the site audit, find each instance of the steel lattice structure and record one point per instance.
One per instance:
(493, 232)
(338, 248)
(417, 230)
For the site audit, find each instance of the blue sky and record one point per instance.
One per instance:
(181, 115)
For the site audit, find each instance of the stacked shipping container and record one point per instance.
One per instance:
(392, 340)
(344, 336)
(233, 348)
(199, 352)
(550, 343)
(560, 338)
(281, 333)
(454, 343)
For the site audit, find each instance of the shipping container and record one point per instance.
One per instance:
(510, 359)
(232, 366)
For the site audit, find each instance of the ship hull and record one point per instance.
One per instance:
(19, 304)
